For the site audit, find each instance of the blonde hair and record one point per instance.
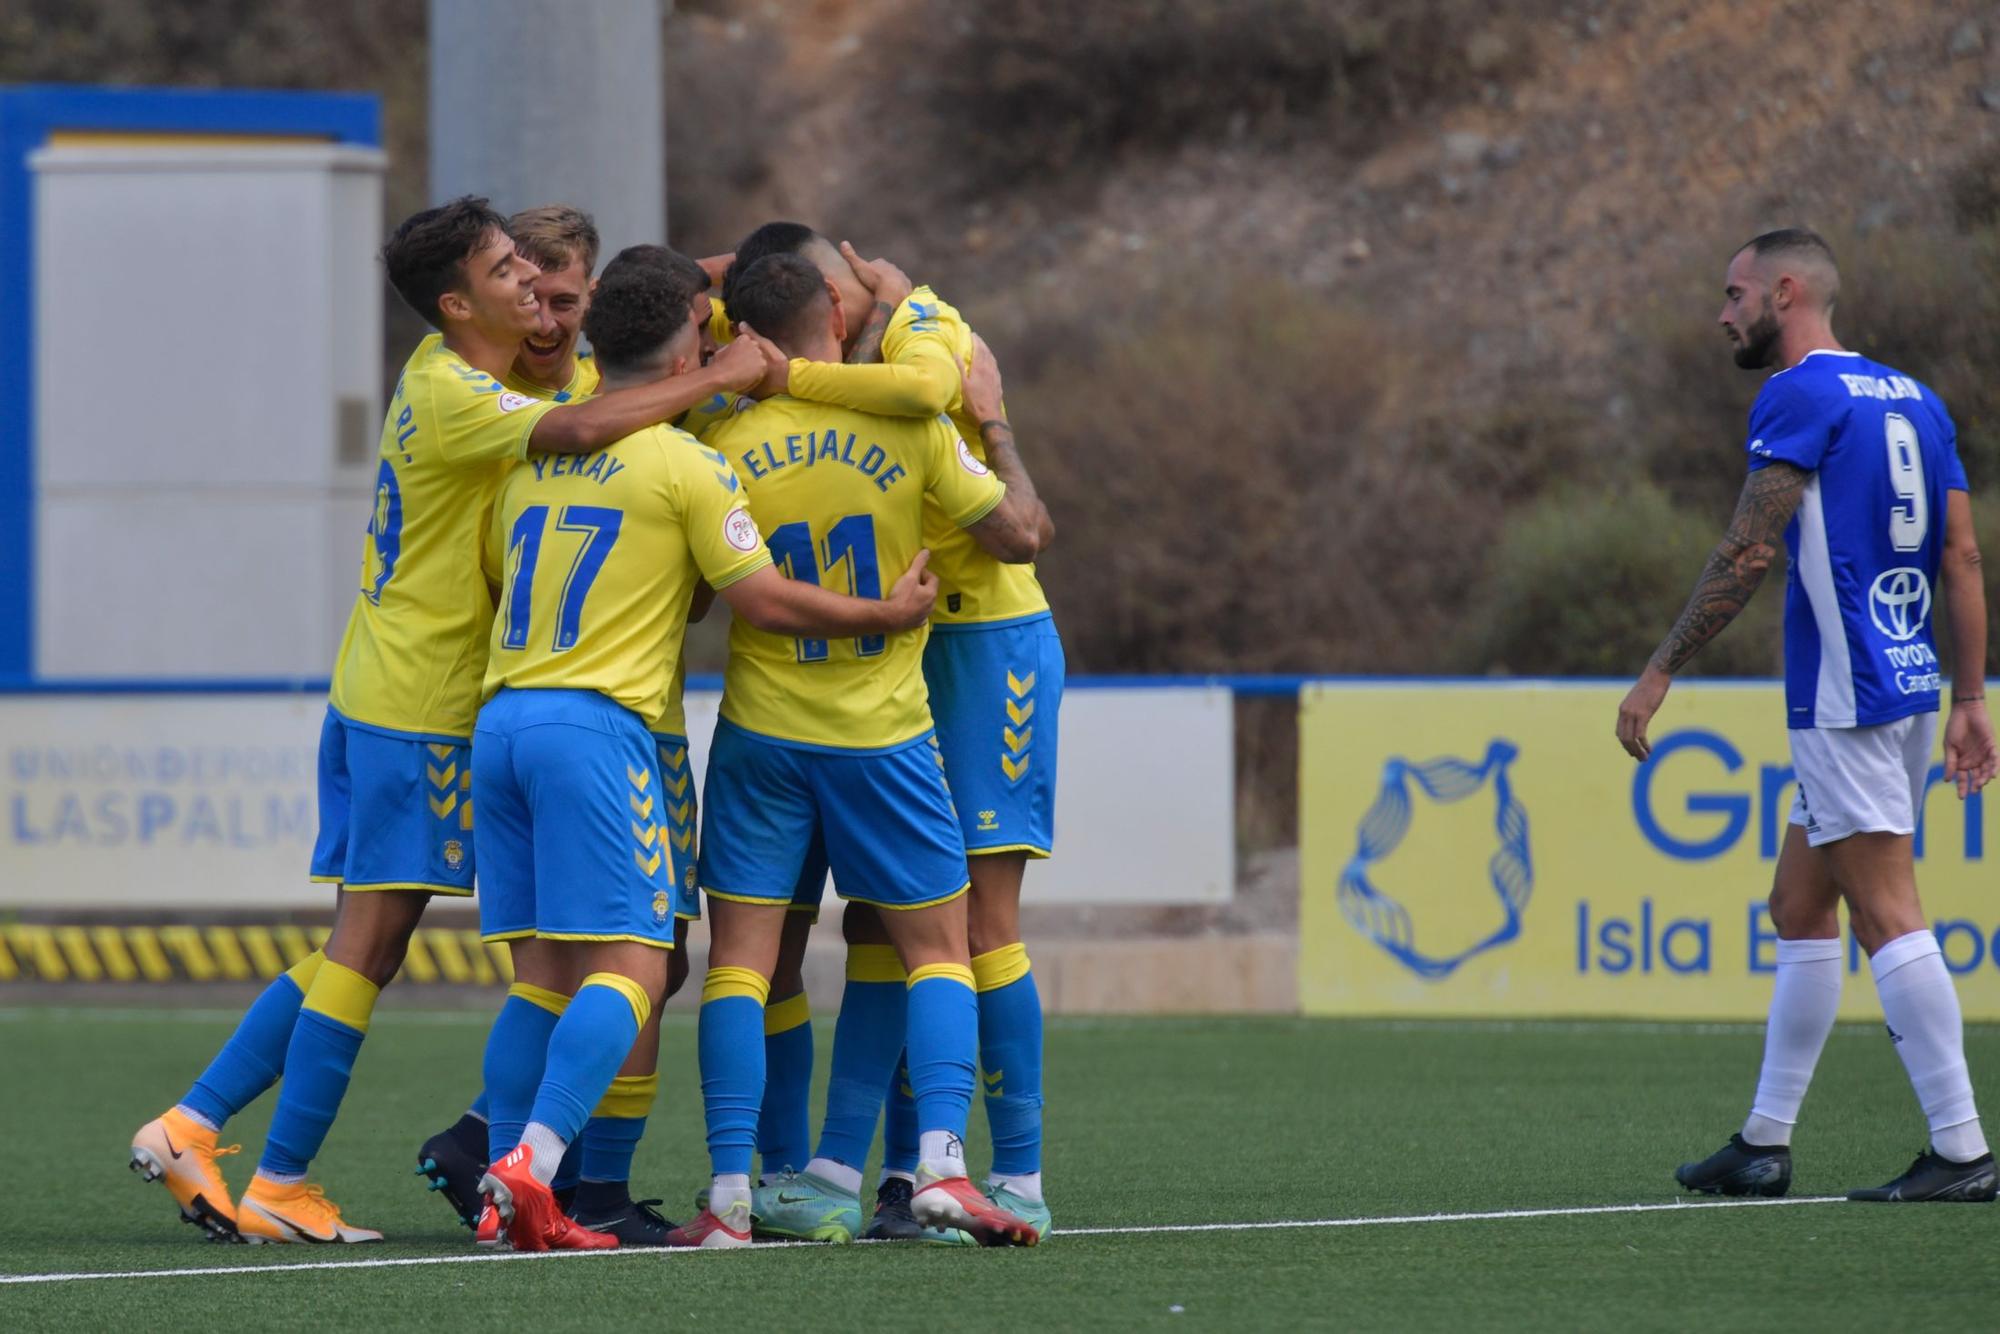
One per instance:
(555, 235)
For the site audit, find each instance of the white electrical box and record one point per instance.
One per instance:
(208, 396)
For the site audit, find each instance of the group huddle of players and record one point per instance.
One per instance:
(823, 445)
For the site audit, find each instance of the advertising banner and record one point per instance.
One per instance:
(177, 802)
(1489, 850)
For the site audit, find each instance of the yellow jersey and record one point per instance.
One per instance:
(583, 383)
(596, 556)
(586, 383)
(414, 650)
(841, 496)
(926, 344)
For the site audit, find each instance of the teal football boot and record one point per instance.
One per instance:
(798, 1206)
(1034, 1212)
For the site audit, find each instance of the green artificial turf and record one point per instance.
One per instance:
(1152, 1123)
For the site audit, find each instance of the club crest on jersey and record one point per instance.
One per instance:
(739, 530)
(1899, 602)
(659, 907)
(969, 461)
(454, 853)
(513, 402)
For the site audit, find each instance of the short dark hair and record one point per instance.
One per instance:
(1790, 240)
(1802, 242)
(553, 235)
(425, 256)
(636, 311)
(776, 295)
(689, 275)
(773, 238)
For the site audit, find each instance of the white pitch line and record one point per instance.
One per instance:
(493, 1257)
(1677, 1207)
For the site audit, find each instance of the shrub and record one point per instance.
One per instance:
(1589, 583)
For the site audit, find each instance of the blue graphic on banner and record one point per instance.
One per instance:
(1511, 869)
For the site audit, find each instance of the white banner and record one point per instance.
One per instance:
(187, 801)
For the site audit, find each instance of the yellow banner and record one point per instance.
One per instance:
(1489, 850)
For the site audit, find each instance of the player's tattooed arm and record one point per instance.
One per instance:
(1738, 564)
(1022, 508)
(890, 286)
(867, 348)
(1734, 570)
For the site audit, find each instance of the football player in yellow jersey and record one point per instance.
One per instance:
(833, 737)
(561, 241)
(597, 556)
(395, 824)
(593, 1182)
(995, 667)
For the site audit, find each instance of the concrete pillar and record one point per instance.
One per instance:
(552, 102)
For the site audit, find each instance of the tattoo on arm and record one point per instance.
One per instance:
(868, 347)
(1738, 564)
(1005, 460)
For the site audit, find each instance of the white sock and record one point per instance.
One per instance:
(1921, 1007)
(900, 1175)
(548, 1148)
(1805, 996)
(1027, 1185)
(293, 1178)
(941, 1154)
(727, 1190)
(196, 1117)
(836, 1174)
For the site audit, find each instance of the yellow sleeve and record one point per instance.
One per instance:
(480, 424)
(919, 375)
(964, 488)
(921, 383)
(716, 514)
(719, 327)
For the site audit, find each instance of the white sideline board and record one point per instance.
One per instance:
(190, 801)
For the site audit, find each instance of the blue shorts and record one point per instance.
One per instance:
(996, 694)
(883, 818)
(677, 791)
(395, 810)
(574, 839)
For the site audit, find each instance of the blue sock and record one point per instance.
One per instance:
(784, 1122)
(731, 1042)
(899, 1123)
(517, 1051)
(254, 1056)
(614, 1130)
(480, 1108)
(591, 1041)
(570, 1170)
(867, 1048)
(1010, 1058)
(942, 1039)
(333, 1020)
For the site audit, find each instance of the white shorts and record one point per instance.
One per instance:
(1862, 780)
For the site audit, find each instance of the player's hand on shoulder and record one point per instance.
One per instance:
(884, 281)
(913, 595)
(1636, 710)
(777, 378)
(740, 364)
(983, 390)
(1971, 755)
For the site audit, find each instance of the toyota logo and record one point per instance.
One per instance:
(1900, 602)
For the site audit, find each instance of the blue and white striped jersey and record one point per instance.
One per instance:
(1867, 539)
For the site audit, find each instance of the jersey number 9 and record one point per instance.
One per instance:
(1910, 516)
